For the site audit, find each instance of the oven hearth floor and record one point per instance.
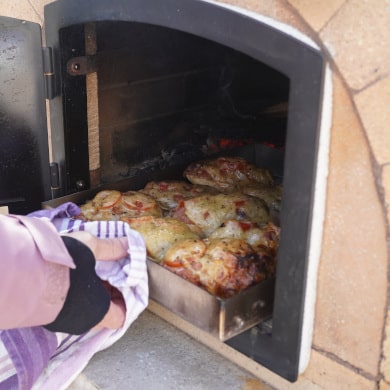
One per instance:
(155, 355)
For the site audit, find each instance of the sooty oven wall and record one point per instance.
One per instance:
(167, 97)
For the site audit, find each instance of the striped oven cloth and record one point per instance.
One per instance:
(34, 358)
(7, 368)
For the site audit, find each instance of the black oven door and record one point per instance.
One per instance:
(24, 156)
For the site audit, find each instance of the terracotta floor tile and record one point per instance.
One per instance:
(358, 40)
(373, 104)
(383, 385)
(20, 9)
(328, 374)
(385, 364)
(38, 6)
(386, 186)
(349, 311)
(274, 9)
(316, 13)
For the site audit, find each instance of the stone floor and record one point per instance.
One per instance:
(153, 354)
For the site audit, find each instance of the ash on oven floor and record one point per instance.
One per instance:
(155, 355)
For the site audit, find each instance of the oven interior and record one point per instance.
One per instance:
(166, 98)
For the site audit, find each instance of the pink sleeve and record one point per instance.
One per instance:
(34, 272)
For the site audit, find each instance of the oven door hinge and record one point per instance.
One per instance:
(48, 72)
(81, 66)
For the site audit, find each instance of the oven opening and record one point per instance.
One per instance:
(168, 98)
(142, 101)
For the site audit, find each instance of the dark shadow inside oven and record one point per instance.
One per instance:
(168, 97)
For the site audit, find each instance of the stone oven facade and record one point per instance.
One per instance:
(351, 336)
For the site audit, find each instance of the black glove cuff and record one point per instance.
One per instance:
(87, 301)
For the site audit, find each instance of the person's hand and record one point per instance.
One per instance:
(102, 248)
(115, 316)
(107, 249)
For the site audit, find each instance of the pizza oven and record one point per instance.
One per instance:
(140, 89)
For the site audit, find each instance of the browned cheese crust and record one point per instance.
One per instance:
(227, 173)
(208, 212)
(160, 233)
(272, 195)
(169, 193)
(111, 205)
(224, 265)
(214, 231)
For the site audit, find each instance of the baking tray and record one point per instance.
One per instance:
(222, 318)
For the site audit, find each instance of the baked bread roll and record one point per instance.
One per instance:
(223, 266)
(169, 193)
(112, 205)
(160, 233)
(208, 212)
(227, 173)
